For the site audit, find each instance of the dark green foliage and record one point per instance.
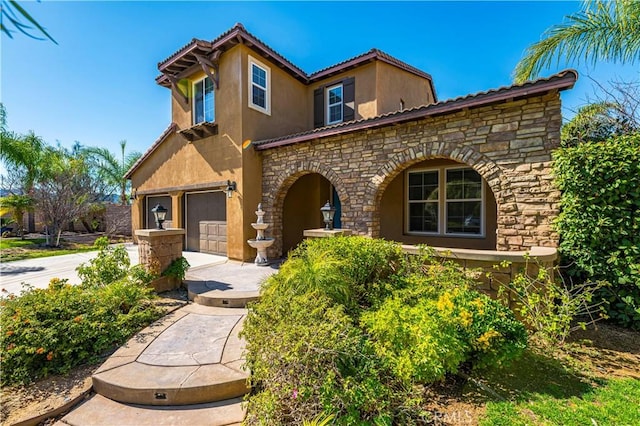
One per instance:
(595, 123)
(600, 220)
(177, 269)
(354, 328)
(311, 359)
(355, 272)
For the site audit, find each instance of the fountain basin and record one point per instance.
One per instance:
(261, 247)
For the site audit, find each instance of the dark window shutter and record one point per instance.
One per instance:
(349, 105)
(318, 108)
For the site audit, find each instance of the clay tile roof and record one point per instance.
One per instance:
(184, 49)
(560, 81)
(223, 42)
(169, 130)
(183, 58)
(373, 54)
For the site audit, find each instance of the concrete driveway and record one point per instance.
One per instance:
(38, 272)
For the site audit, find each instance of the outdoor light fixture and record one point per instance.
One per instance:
(160, 213)
(231, 186)
(327, 214)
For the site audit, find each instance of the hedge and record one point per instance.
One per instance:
(599, 223)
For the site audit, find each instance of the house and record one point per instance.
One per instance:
(369, 134)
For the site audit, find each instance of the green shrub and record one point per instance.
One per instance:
(306, 356)
(111, 264)
(436, 325)
(50, 331)
(177, 269)
(355, 272)
(599, 223)
(352, 328)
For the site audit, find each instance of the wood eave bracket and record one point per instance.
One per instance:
(207, 64)
(176, 89)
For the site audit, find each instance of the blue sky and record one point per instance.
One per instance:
(97, 85)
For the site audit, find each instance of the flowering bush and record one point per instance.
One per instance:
(426, 337)
(51, 330)
(352, 327)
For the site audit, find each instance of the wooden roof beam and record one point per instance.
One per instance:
(176, 89)
(206, 65)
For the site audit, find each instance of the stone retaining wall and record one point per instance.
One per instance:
(494, 269)
(508, 143)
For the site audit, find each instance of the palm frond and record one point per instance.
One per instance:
(602, 31)
(14, 13)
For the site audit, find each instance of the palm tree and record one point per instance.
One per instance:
(602, 31)
(111, 169)
(25, 152)
(18, 205)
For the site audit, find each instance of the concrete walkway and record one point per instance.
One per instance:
(187, 368)
(38, 272)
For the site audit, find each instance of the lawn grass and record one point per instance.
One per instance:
(614, 402)
(12, 249)
(9, 243)
(540, 389)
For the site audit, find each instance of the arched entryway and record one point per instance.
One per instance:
(439, 202)
(301, 208)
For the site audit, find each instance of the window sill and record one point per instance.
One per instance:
(199, 131)
(434, 235)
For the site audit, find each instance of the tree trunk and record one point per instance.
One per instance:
(31, 216)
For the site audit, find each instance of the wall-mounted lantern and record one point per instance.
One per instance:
(231, 186)
(327, 214)
(159, 213)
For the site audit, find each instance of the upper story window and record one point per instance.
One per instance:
(259, 86)
(445, 201)
(335, 101)
(203, 101)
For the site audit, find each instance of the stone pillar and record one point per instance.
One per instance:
(159, 247)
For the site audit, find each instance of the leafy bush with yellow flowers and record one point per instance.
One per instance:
(354, 328)
(434, 326)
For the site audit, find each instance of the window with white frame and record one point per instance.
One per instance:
(445, 201)
(203, 101)
(424, 201)
(334, 104)
(259, 83)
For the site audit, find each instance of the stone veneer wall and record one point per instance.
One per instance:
(509, 144)
(158, 248)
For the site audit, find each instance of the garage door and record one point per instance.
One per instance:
(206, 222)
(152, 201)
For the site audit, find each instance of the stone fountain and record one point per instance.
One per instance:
(260, 243)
